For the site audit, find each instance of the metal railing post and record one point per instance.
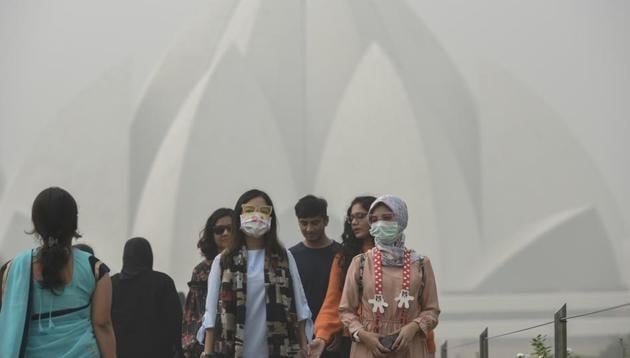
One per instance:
(444, 350)
(483, 344)
(560, 333)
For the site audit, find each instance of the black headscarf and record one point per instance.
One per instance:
(146, 311)
(137, 258)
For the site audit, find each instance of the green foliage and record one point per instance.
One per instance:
(541, 348)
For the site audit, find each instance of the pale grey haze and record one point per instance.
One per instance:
(504, 125)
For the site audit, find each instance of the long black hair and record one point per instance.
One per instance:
(206, 242)
(272, 244)
(55, 219)
(351, 245)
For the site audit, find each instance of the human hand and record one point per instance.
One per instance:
(405, 335)
(305, 352)
(372, 343)
(316, 348)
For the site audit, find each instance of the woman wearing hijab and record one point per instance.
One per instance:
(255, 305)
(214, 237)
(55, 299)
(389, 302)
(146, 311)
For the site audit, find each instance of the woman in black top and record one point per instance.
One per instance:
(146, 311)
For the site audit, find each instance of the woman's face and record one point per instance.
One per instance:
(382, 213)
(259, 205)
(222, 232)
(359, 222)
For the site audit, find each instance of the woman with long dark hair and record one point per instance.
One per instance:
(56, 300)
(389, 302)
(214, 238)
(356, 239)
(255, 305)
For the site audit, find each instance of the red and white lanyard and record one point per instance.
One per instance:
(378, 302)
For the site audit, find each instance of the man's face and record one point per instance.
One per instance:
(313, 229)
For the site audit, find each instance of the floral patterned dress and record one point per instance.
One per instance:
(194, 309)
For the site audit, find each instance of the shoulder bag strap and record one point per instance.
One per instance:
(27, 320)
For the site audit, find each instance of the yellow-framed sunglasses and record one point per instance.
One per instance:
(263, 209)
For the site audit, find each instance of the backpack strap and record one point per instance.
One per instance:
(4, 274)
(421, 270)
(29, 310)
(99, 269)
(361, 268)
(360, 282)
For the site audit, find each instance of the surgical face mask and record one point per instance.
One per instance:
(255, 224)
(384, 232)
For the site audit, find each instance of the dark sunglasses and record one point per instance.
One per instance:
(220, 229)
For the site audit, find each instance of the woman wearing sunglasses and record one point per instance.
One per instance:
(255, 306)
(389, 302)
(213, 239)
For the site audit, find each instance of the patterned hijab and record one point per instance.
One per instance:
(392, 255)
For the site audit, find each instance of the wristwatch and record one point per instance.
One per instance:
(205, 355)
(355, 336)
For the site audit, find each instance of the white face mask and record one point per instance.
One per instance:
(255, 224)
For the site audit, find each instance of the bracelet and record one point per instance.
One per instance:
(355, 336)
